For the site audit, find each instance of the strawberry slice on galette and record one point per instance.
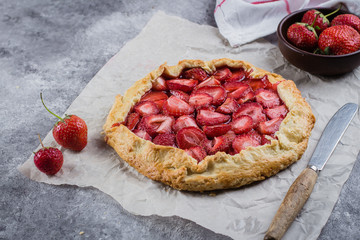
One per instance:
(202, 126)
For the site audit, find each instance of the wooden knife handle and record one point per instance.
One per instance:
(293, 202)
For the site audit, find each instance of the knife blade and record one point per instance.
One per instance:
(302, 187)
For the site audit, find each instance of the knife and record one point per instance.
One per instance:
(302, 187)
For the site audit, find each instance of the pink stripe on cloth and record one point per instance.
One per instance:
(219, 5)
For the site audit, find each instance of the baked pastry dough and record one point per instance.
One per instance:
(175, 167)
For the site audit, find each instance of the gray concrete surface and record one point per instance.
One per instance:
(56, 47)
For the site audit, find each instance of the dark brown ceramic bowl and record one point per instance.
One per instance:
(314, 63)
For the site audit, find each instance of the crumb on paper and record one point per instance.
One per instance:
(81, 233)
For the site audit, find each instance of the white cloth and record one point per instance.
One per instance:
(242, 21)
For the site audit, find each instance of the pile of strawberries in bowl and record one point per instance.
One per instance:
(321, 41)
(315, 33)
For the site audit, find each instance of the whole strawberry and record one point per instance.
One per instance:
(347, 19)
(303, 36)
(48, 160)
(318, 20)
(339, 40)
(70, 132)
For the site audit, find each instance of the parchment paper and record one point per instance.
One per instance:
(243, 213)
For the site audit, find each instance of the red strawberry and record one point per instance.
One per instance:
(257, 83)
(275, 112)
(237, 89)
(48, 160)
(228, 107)
(242, 124)
(303, 36)
(199, 99)
(190, 137)
(159, 84)
(184, 121)
(165, 139)
(243, 141)
(218, 93)
(347, 19)
(237, 76)
(186, 85)
(160, 104)
(339, 40)
(154, 96)
(195, 73)
(222, 74)
(196, 152)
(321, 22)
(211, 81)
(177, 107)
(222, 143)
(216, 130)
(271, 126)
(147, 108)
(209, 118)
(267, 98)
(142, 134)
(155, 124)
(70, 132)
(180, 94)
(132, 120)
(254, 110)
(248, 97)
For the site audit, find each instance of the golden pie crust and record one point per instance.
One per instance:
(174, 167)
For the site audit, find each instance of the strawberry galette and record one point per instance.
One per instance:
(201, 126)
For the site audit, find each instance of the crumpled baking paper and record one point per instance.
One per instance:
(243, 213)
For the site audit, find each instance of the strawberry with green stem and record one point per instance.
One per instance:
(48, 160)
(303, 35)
(70, 132)
(318, 20)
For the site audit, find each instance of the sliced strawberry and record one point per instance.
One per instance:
(242, 124)
(237, 89)
(252, 109)
(210, 108)
(160, 103)
(142, 134)
(267, 98)
(211, 81)
(176, 107)
(275, 112)
(200, 99)
(222, 143)
(222, 74)
(243, 141)
(132, 120)
(266, 139)
(154, 96)
(255, 135)
(271, 126)
(273, 86)
(186, 85)
(195, 73)
(184, 121)
(155, 124)
(216, 130)
(159, 84)
(197, 152)
(180, 94)
(248, 97)
(190, 137)
(210, 118)
(237, 76)
(217, 92)
(228, 107)
(165, 139)
(257, 83)
(147, 108)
